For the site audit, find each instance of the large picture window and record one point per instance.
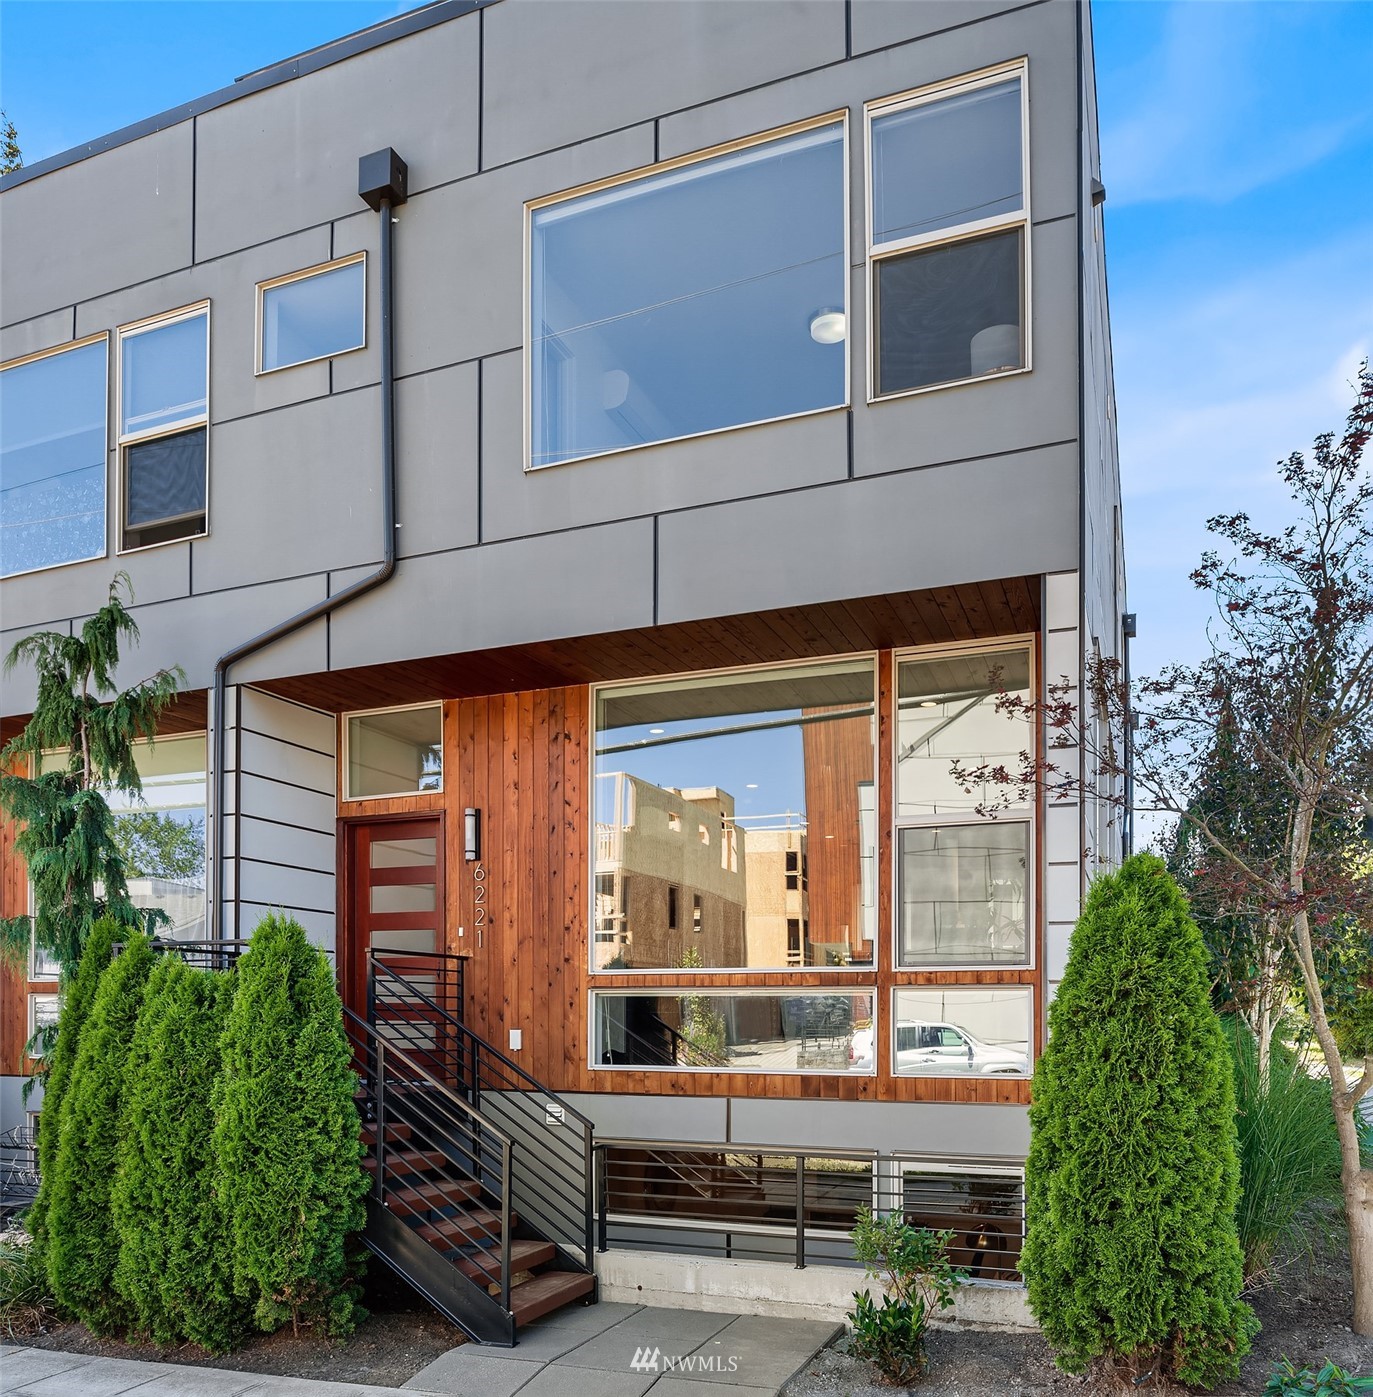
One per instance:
(740, 809)
(53, 414)
(963, 1031)
(164, 417)
(706, 295)
(963, 880)
(948, 221)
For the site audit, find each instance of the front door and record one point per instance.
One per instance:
(394, 901)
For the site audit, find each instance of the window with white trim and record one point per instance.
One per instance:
(393, 752)
(164, 417)
(963, 880)
(706, 294)
(314, 314)
(53, 423)
(948, 224)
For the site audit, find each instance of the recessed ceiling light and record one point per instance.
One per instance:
(929, 703)
(827, 325)
(656, 732)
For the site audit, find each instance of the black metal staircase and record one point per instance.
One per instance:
(482, 1193)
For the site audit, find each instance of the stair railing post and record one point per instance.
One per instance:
(602, 1200)
(800, 1212)
(588, 1191)
(379, 1087)
(505, 1224)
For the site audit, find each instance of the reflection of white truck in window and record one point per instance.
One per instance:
(929, 1048)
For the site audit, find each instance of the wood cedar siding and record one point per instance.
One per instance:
(15, 984)
(524, 760)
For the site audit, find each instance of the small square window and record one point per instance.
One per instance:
(164, 428)
(394, 751)
(311, 315)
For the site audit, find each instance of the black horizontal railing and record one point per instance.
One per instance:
(780, 1202)
(18, 1169)
(552, 1170)
(431, 1150)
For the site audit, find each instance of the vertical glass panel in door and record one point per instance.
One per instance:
(946, 163)
(163, 374)
(52, 460)
(685, 301)
(313, 317)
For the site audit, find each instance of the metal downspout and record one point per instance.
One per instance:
(331, 603)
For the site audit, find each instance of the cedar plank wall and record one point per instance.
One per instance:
(523, 759)
(14, 984)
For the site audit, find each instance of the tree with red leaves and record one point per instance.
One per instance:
(1286, 693)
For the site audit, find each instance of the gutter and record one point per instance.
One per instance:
(382, 182)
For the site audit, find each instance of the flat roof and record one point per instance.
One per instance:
(311, 61)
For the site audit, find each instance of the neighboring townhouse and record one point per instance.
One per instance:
(598, 465)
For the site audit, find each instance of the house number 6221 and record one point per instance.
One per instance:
(479, 877)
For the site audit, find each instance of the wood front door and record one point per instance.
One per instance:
(395, 895)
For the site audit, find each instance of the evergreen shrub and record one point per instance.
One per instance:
(174, 1268)
(1131, 1255)
(77, 999)
(82, 1243)
(287, 1136)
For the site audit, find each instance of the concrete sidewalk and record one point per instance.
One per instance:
(610, 1350)
(601, 1350)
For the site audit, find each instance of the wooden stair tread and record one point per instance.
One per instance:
(484, 1267)
(474, 1227)
(543, 1294)
(423, 1195)
(393, 1132)
(407, 1161)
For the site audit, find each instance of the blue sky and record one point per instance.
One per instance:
(1237, 146)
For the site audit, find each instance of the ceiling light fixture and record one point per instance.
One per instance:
(827, 325)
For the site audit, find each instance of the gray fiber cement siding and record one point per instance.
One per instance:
(493, 107)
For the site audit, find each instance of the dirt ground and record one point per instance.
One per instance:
(1305, 1317)
(399, 1338)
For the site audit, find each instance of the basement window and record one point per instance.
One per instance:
(311, 315)
(53, 416)
(983, 1205)
(947, 233)
(164, 417)
(706, 294)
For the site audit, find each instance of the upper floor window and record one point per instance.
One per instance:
(705, 295)
(53, 412)
(393, 752)
(948, 220)
(164, 367)
(314, 314)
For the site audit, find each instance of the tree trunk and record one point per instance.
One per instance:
(1357, 1184)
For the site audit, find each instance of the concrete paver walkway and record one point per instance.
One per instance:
(602, 1350)
(610, 1350)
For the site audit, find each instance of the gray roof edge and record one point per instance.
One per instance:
(311, 61)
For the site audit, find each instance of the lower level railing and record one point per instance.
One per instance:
(790, 1204)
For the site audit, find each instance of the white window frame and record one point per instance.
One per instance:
(186, 424)
(305, 274)
(904, 1164)
(839, 117)
(33, 999)
(961, 232)
(873, 658)
(392, 708)
(52, 353)
(731, 992)
(944, 987)
(1020, 814)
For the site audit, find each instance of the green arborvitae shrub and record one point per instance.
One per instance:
(287, 1136)
(174, 1268)
(83, 1245)
(1131, 1254)
(77, 999)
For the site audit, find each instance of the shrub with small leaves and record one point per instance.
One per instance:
(83, 1243)
(287, 1136)
(174, 1266)
(919, 1279)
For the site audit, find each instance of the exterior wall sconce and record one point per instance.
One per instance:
(471, 834)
